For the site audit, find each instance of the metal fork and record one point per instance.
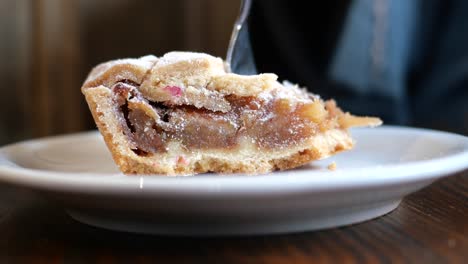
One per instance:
(239, 57)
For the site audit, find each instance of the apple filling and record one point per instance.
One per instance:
(268, 122)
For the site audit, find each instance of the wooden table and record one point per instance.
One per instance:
(430, 226)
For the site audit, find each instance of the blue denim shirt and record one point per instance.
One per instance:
(384, 40)
(404, 60)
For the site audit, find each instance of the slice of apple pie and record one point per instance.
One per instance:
(183, 114)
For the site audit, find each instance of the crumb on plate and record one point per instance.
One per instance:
(332, 166)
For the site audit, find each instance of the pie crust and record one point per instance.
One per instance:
(182, 114)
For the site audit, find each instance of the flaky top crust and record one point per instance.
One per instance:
(200, 80)
(186, 70)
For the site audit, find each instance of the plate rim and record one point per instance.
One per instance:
(301, 180)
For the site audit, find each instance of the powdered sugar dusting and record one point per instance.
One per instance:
(300, 90)
(202, 98)
(177, 56)
(145, 62)
(150, 58)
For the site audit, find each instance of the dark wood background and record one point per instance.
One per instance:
(47, 47)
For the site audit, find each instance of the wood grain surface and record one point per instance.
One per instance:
(430, 226)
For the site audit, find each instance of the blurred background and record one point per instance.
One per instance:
(47, 48)
(417, 50)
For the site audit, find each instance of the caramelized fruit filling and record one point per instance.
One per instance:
(265, 122)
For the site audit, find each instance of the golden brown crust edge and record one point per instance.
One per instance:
(100, 103)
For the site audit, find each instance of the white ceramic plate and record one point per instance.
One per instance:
(386, 164)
